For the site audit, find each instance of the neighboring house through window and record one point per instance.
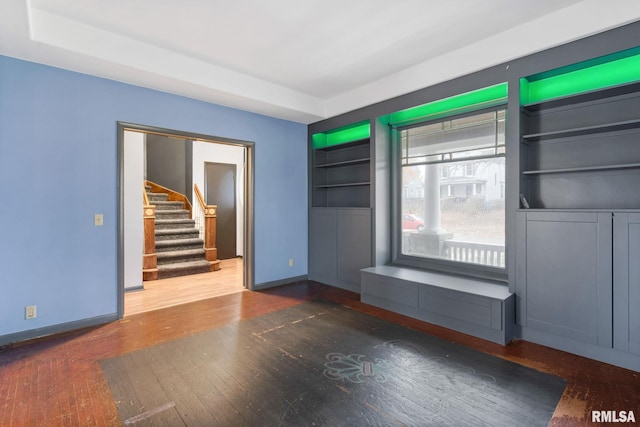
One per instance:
(452, 175)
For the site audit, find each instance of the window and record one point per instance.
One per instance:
(452, 175)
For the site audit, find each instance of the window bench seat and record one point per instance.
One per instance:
(472, 306)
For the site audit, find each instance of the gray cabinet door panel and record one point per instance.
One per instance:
(323, 231)
(626, 286)
(633, 256)
(354, 243)
(569, 275)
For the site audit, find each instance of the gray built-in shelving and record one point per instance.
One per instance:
(580, 172)
(582, 151)
(340, 215)
(341, 175)
(572, 256)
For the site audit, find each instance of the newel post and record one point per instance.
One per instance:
(149, 260)
(210, 224)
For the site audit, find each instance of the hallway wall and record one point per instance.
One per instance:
(133, 204)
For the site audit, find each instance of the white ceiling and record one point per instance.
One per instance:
(301, 60)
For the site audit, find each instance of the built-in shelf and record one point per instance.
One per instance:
(582, 169)
(582, 150)
(344, 163)
(584, 130)
(348, 184)
(341, 173)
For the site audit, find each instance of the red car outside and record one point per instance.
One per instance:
(412, 222)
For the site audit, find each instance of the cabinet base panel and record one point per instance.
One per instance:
(332, 281)
(591, 351)
(476, 308)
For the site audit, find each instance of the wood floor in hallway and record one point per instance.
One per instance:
(181, 290)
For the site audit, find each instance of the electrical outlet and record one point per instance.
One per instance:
(30, 312)
(290, 262)
(98, 220)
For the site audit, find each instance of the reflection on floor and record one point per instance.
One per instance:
(180, 290)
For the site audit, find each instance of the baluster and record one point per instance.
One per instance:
(210, 223)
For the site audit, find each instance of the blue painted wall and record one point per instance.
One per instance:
(58, 167)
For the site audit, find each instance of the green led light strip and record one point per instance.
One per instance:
(341, 135)
(485, 97)
(611, 70)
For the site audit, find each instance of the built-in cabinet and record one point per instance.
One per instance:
(565, 274)
(340, 230)
(340, 245)
(626, 290)
(578, 277)
(578, 229)
(572, 206)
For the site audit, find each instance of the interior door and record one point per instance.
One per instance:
(220, 190)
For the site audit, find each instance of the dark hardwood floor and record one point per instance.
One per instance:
(58, 380)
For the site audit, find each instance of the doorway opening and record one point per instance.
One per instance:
(199, 154)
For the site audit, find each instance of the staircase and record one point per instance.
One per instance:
(179, 249)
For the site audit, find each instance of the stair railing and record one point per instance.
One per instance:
(174, 196)
(149, 259)
(206, 221)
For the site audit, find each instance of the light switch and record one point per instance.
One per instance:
(98, 220)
